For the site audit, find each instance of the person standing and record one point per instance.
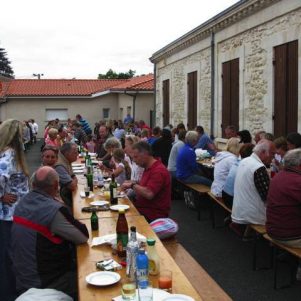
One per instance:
(84, 123)
(13, 186)
(35, 130)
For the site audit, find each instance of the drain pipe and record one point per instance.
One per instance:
(212, 84)
(134, 102)
(155, 98)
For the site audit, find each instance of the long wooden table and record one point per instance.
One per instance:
(87, 257)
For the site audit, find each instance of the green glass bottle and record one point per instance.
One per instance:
(113, 191)
(90, 177)
(94, 221)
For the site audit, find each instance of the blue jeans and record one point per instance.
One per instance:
(7, 277)
(197, 179)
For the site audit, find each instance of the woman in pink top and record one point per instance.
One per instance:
(52, 138)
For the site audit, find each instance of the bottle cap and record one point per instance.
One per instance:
(141, 251)
(133, 229)
(121, 210)
(150, 242)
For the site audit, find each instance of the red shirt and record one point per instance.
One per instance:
(157, 179)
(284, 206)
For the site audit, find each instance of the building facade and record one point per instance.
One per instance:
(241, 67)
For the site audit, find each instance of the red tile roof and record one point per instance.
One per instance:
(74, 87)
(144, 82)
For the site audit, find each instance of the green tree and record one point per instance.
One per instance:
(114, 75)
(5, 68)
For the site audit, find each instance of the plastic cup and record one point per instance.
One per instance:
(165, 280)
(145, 293)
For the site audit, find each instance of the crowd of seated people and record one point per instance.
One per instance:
(145, 163)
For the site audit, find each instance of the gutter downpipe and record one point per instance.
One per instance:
(134, 102)
(212, 110)
(155, 99)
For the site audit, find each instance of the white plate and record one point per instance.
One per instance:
(78, 168)
(178, 297)
(83, 195)
(117, 207)
(103, 278)
(99, 203)
(78, 171)
(77, 165)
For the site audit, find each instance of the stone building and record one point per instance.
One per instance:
(95, 100)
(240, 67)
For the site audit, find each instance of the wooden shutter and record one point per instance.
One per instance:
(192, 100)
(292, 87)
(166, 102)
(285, 88)
(230, 94)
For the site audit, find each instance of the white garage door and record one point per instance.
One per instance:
(61, 114)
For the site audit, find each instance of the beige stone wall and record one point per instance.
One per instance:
(255, 51)
(90, 108)
(177, 74)
(252, 40)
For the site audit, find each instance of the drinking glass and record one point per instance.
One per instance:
(165, 280)
(128, 289)
(145, 293)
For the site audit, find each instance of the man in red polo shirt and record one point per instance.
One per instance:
(153, 192)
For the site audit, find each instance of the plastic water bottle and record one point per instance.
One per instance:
(131, 255)
(142, 269)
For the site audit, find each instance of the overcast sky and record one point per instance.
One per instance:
(77, 38)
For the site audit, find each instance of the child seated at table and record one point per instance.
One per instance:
(90, 144)
(122, 169)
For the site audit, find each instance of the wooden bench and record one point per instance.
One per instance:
(199, 189)
(296, 252)
(198, 277)
(221, 203)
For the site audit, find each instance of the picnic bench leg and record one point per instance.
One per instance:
(212, 214)
(255, 252)
(275, 253)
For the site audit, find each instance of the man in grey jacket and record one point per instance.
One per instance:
(44, 235)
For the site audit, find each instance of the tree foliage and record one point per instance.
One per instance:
(114, 75)
(5, 67)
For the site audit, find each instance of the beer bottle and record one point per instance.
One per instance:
(113, 191)
(94, 221)
(122, 234)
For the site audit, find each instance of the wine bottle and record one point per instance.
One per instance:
(113, 191)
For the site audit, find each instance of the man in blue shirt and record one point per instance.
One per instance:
(205, 142)
(187, 168)
(128, 119)
(85, 124)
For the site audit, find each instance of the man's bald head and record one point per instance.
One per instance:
(46, 179)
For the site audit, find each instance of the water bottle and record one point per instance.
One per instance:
(131, 255)
(142, 269)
